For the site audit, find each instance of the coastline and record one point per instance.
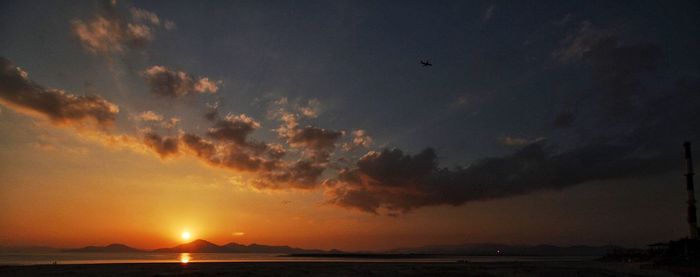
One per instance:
(349, 268)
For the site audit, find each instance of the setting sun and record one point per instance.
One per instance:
(313, 137)
(185, 257)
(186, 235)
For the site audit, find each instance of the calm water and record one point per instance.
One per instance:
(101, 258)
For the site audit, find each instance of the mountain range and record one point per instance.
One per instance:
(475, 249)
(201, 246)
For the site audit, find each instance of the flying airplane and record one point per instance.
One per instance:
(426, 63)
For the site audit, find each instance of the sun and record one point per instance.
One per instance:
(185, 235)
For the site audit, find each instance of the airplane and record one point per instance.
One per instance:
(426, 63)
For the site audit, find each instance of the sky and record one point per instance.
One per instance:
(314, 124)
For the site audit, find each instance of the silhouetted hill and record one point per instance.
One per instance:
(112, 248)
(203, 246)
(488, 249)
(197, 246)
(259, 248)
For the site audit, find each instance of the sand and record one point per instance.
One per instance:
(337, 269)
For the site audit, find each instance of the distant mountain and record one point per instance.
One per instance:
(203, 246)
(197, 246)
(492, 249)
(112, 248)
(28, 249)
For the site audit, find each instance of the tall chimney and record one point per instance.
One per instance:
(692, 219)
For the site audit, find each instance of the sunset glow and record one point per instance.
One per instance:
(359, 125)
(185, 236)
(185, 258)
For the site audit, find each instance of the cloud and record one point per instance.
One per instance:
(254, 158)
(233, 128)
(317, 143)
(169, 25)
(17, 91)
(170, 83)
(110, 31)
(311, 137)
(516, 141)
(141, 15)
(359, 139)
(396, 182)
(205, 85)
(154, 119)
(100, 35)
(149, 116)
(311, 109)
(164, 146)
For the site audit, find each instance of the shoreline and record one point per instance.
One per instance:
(337, 268)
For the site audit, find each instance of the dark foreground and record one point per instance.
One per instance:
(336, 269)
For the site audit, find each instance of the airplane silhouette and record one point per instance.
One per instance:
(426, 63)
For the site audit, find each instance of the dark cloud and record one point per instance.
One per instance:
(302, 174)
(164, 146)
(224, 154)
(314, 138)
(233, 128)
(20, 93)
(211, 114)
(400, 182)
(170, 83)
(630, 130)
(201, 148)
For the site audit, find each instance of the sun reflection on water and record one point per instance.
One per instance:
(185, 258)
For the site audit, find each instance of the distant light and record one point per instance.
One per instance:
(186, 235)
(185, 258)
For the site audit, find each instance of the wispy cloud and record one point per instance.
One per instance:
(113, 32)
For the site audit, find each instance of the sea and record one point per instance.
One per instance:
(118, 258)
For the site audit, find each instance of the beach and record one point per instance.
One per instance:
(336, 269)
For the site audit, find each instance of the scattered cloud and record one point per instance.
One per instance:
(359, 139)
(169, 25)
(149, 116)
(205, 85)
(233, 128)
(311, 109)
(18, 92)
(141, 15)
(171, 83)
(111, 32)
(164, 146)
(516, 141)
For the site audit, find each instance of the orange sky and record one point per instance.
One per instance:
(60, 190)
(273, 123)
